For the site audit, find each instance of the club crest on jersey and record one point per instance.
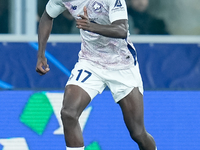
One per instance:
(118, 3)
(97, 7)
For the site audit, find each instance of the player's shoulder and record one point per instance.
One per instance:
(115, 3)
(55, 7)
(57, 2)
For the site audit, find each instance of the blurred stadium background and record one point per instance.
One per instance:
(30, 104)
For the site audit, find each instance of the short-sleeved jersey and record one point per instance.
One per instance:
(101, 51)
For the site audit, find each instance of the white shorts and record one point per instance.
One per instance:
(94, 80)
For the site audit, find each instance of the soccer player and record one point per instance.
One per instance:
(107, 58)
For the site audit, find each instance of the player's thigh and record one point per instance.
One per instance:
(75, 99)
(122, 82)
(132, 108)
(83, 85)
(87, 77)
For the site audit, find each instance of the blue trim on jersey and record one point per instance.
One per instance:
(5, 85)
(53, 60)
(133, 52)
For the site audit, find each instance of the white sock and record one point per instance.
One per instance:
(75, 148)
(156, 148)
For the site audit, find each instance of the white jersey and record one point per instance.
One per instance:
(101, 51)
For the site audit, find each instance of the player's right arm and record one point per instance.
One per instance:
(44, 30)
(53, 9)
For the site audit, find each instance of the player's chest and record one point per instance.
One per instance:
(97, 10)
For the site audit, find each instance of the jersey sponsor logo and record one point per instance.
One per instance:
(74, 7)
(118, 3)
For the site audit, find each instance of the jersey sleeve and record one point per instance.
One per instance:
(54, 8)
(117, 10)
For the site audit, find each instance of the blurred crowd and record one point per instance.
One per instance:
(4, 21)
(146, 17)
(63, 24)
(140, 21)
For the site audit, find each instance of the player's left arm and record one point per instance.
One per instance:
(117, 29)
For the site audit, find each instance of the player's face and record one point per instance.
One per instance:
(140, 5)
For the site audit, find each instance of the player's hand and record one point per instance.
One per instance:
(84, 22)
(42, 67)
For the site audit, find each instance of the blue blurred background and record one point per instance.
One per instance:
(170, 74)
